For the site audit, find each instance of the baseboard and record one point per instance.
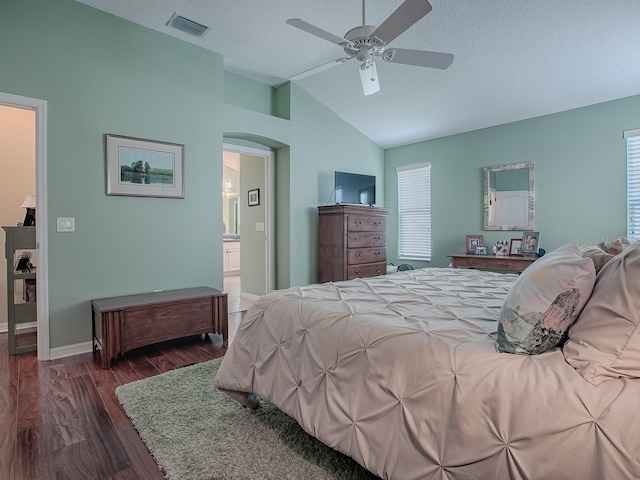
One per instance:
(70, 350)
(54, 353)
(28, 327)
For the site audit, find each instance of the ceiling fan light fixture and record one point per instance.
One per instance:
(365, 42)
(369, 78)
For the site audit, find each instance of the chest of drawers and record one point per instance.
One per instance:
(352, 242)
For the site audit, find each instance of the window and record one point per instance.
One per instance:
(414, 212)
(633, 183)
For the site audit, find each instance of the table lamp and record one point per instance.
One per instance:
(30, 204)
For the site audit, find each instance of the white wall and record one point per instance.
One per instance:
(17, 177)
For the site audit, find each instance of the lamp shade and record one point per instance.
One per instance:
(29, 201)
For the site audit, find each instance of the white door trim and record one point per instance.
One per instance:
(42, 285)
(269, 205)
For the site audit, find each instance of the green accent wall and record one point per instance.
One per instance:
(580, 175)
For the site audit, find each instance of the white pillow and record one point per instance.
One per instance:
(545, 301)
(604, 343)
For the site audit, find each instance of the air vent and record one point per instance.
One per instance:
(188, 26)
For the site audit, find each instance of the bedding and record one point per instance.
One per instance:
(401, 373)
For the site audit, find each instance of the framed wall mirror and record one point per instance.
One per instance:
(509, 197)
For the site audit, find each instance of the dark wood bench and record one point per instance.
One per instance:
(121, 324)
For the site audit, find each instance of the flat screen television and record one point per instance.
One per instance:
(355, 188)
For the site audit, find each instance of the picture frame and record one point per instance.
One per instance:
(254, 197)
(138, 167)
(530, 243)
(515, 247)
(472, 242)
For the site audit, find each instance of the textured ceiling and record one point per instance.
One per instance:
(514, 59)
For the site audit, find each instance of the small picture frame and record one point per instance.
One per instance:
(530, 243)
(254, 197)
(515, 247)
(473, 242)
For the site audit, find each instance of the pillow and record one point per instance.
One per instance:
(544, 301)
(615, 247)
(605, 341)
(597, 254)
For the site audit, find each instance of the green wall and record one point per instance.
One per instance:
(312, 171)
(580, 169)
(101, 74)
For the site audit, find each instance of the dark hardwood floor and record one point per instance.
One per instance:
(61, 419)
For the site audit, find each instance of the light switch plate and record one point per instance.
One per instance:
(66, 224)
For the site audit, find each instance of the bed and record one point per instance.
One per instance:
(401, 373)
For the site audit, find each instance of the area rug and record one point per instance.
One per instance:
(195, 432)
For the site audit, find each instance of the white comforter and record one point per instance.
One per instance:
(401, 373)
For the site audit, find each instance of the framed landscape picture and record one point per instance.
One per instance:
(144, 168)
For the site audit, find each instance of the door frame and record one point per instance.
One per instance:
(269, 206)
(42, 245)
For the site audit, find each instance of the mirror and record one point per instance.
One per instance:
(509, 197)
(230, 192)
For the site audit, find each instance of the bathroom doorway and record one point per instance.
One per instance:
(247, 233)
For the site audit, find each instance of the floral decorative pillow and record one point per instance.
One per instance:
(545, 301)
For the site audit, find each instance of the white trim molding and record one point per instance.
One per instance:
(42, 286)
(70, 350)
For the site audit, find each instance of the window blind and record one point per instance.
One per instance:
(633, 183)
(414, 212)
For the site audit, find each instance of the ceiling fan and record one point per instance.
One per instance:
(367, 41)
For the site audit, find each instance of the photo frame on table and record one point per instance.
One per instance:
(138, 167)
(530, 243)
(515, 247)
(254, 197)
(473, 242)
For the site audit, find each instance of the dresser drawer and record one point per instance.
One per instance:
(356, 223)
(366, 255)
(370, 270)
(494, 263)
(361, 239)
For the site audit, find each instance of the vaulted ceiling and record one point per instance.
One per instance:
(514, 59)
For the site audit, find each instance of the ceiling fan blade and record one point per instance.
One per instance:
(318, 32)
(319, 68)
(406, 15)
(420, 58)
(369, 78)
